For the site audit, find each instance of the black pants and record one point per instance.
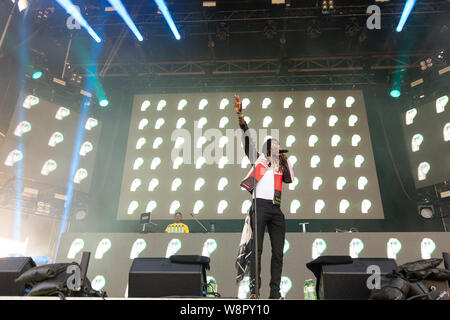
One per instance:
(270, 216)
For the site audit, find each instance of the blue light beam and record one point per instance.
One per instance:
(73, 11)
(118, 6)
(405, 14)
(165, 12)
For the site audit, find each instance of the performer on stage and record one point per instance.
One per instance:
(177, 226)
(272, 169)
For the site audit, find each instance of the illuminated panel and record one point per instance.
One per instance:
(191, 145)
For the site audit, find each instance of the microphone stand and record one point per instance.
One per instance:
(255, 228)
(206, 230)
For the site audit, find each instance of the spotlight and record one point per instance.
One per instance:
(103, 103)
(36, 75)
(222, 32)
(395, 93)
(426, 210)
(313, 31)
(270, 30)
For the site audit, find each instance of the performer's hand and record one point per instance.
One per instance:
(237, 104)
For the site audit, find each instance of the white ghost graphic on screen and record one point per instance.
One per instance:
(209, 246)
(173, 247)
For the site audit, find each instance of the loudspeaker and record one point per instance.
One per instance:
(349, 281)
(159, 277)
(11, 269)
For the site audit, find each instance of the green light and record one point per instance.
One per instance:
(395, 93)
(104, 103)
(37, 75)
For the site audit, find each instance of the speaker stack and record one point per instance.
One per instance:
(10, 269)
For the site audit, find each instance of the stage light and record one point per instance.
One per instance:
(356, 139)
(310, 121)
(293, 184)
(145, 105)
(352, 120)
(138, 246)
(223, 182)
(287, 102)
(365, 206)
(200, 162)
(295, 205)
(122, 11)
(181, 104)
(313, 139)
(330, 102)
(441, 103)
(141, 141)
(174, 206)
(405, 14)
(80, 175)
(159, 123)
(246, 206)
(176, 183)
(49, 166)
(165, 12)
(73, 11)
(22, 128)
(135, 184)
(362, 182)
(315, 161)
(103, 246)
(180, 123)
(91, 123)
(132, 207)
(57, 137)
(288, 121)
(427, 247)
(308, 102)
(37, 75)
(62, 113)
(416, 141)
(426, 210)
(198, 206)
(86, 147)
(422, 170)
(340, 183)
(332, 120)
(343, 206)
(177, 163)
(395, 93)
(138, 163)
(223, 204)
(359, 160)
(317, 182)
(266, 102)
(223, 103)
(153, 184)
(223, 122)
(199, 183)
(151, 205)
(155, 163)
(394, 246)
(103, 103)
(338, 159)
(335, 139)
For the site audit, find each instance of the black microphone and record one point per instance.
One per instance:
(283, 151)
(206, 230)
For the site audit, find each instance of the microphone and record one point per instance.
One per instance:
(283, 151)
(206, 230)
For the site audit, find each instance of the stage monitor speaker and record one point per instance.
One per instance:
(11, 269)
(349, 281)
(159, 277)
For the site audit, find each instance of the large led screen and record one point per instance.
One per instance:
(185, 154)
(427, 134)
(45, 141)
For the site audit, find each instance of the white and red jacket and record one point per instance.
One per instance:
(285, 173)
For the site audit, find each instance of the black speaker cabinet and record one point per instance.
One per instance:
(349, 281)
(159, 277)
(10, 269)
